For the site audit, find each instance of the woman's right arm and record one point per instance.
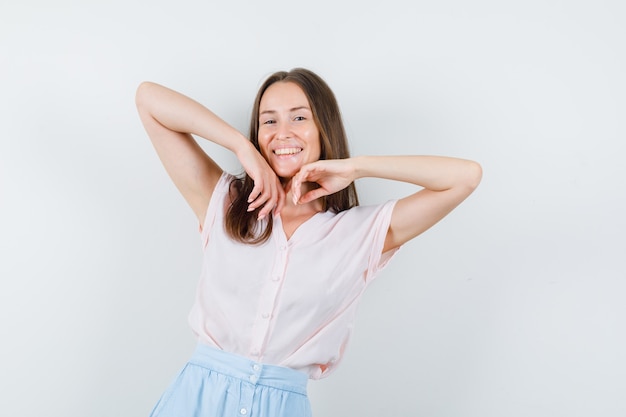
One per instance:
(170, 119)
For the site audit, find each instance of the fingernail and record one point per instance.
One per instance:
(261, 217)
(250, 209)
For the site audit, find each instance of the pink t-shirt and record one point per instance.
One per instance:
(288, 302)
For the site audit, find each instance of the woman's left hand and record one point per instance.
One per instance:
(331, 175)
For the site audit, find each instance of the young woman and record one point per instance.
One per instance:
(287, 249)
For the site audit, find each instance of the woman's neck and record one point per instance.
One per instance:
(290, 209)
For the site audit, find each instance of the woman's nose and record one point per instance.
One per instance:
(284, 131)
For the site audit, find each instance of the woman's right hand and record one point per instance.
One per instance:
(268, 191)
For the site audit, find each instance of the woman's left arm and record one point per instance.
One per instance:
(446, 183)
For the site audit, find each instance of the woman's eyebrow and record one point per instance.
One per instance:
(291, 110)
(300, 108)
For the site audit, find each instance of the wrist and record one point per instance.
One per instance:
(241, 146)
(359, 167)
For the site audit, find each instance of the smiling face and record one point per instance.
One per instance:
(288, 136)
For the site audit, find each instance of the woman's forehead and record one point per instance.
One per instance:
(283, 96)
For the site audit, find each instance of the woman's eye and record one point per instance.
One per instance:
(299, 118)
(268, 122)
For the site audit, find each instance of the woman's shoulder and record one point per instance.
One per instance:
(224, 183)
(367, 209)
(360, 216)
(221, 193)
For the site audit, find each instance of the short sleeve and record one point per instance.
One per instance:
(378, 233)
(216, 205)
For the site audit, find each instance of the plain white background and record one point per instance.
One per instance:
(511, 306)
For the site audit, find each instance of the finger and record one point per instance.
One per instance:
(260, 198)
(307, 172)
(295, 191)
(269, 201)
(258, 202)
(296, 184)
(312, 195)
(281, 200)
(256, 191)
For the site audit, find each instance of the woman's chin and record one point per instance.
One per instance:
(286, 172)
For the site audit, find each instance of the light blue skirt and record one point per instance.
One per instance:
(215, 383)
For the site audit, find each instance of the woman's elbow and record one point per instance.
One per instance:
(142, 93)
(473, 175)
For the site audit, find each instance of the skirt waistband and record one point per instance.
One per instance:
(256, 373)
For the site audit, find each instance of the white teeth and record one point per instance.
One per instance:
(287, 151)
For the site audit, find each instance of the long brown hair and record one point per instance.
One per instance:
(242, 225)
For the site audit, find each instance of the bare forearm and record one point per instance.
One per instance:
(435, 173)
(182, 114)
